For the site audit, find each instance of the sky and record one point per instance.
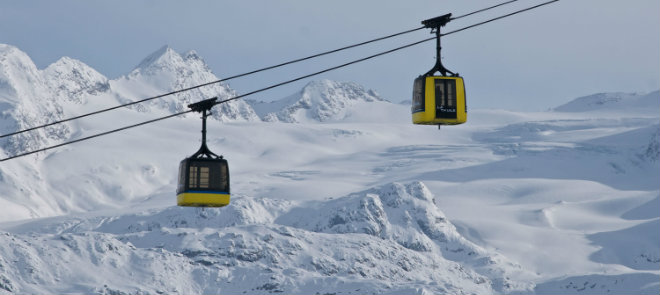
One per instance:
(532, 61)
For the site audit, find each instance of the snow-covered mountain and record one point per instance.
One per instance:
(319, 101)
(390, 239)
(31, 97)
(165, 71)
(616, 101)
(73, 80)
(27, 99)
(563, 201)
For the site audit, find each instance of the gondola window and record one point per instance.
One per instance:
(204, 177)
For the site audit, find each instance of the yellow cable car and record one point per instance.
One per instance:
(204, 176)
(438, 100)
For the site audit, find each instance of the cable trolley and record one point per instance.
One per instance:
(438, 100)
(204, 176)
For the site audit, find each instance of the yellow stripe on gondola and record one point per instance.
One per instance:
(191, 199)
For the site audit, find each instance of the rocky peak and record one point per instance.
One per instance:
(163, 58)
(73, 80)
(192, 55)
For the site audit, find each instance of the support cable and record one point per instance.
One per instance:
(484, 9)
(210, 83)
(499, 17)
(274, 85)
(238, 76)
(216, 103)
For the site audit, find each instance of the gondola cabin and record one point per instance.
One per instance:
(204, 176)
(439, 100)
(203, 183)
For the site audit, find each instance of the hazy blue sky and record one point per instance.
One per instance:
(531, 61)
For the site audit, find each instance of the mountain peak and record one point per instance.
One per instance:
(324, 89)
(160, 58)
(322, 100)
(7, 51)
(27, 101)
(17, 71)
(167, 61)
(166, 70)
(72, 79)
(19, 76)
(67, 64)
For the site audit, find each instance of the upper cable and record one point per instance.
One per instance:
(262, 89)
(241, 75)
(212, 82)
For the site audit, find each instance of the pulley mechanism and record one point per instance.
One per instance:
(435, 24)
(204, 107)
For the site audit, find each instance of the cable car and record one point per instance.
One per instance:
(438, 99)
(204, 176)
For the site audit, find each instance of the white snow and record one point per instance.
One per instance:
(335, 191)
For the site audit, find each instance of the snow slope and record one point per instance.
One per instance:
(352, 199)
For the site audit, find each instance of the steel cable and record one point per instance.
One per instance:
(275, 85)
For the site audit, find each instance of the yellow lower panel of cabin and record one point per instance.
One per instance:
(202, 200)
(428, 118)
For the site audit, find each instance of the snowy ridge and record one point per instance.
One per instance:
(229, 247)
(406, 214)
(318, 101)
